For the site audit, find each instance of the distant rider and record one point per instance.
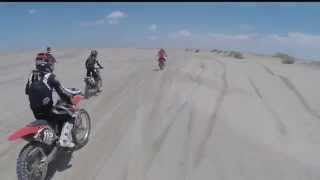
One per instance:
(162, 55)
(90, 65)
(40, 87)
(50, 55)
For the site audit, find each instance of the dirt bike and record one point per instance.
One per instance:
(92, 84)
(43, 139)
(161, 63)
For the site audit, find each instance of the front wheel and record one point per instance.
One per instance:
(99, 84)
(82, 128)
(29, 165)
(86, 91)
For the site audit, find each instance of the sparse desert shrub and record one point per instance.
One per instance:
(214, 50)
(287, 61)
(197, 50)
(236, 54)
(285, 58)
(314, 63)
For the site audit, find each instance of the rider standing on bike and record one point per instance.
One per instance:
(90, 65)
(50, 55)
(40, 87)
(162, 55)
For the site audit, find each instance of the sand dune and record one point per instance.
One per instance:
(206, 116)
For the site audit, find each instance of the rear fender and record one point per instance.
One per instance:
(25, 132)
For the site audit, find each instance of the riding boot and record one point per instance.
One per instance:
(66, 136)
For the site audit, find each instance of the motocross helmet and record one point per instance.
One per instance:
(48, 50)
(44, 63)
(94, 53)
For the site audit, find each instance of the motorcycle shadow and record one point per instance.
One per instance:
(61, 163)
(157, 69)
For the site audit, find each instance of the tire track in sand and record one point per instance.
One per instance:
(280, 125)
(299, 96)
(157, 145)
(292, 88)
(208, 132)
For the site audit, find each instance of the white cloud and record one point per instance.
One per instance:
(32, 11)
(115, 16)
(294, 39)
(153, 27)
(92, 23)
(180, 34)
(295, 43)
(232, 37)
(304, 39)
(113, 21)
(153, 38)
(184, 33)
(229, 37)
(246, 27)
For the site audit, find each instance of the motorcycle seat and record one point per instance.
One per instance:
(38, 122)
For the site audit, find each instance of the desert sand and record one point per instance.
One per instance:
(206, 116)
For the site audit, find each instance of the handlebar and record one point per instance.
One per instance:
(73, 92)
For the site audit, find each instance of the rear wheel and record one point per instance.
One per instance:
(161, 64)
(82, 128)
(29, 165)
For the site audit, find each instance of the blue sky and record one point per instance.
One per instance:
(293, 28)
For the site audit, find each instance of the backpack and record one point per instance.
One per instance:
(40, 93)
(90, 62)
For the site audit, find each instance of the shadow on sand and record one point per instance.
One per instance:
(157, 69)
(61, 163)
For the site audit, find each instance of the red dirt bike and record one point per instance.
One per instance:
(161, 63)
(43, 139)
